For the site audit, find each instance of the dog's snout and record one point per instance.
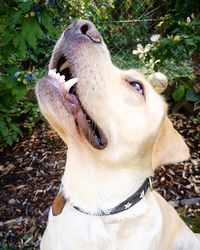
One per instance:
(86, 28)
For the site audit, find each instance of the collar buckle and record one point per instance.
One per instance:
(150, 182)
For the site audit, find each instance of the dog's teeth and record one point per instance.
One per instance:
(70, 83)
(62, 79)
(56, 76)
(64, 66)
(52, 72)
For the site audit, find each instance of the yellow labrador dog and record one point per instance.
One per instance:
(117, 131)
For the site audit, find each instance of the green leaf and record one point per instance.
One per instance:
(9, 140)
(39, 32)
(197, 38)
(3, 128)
(26, 237)
(19, 92)
(29, 33)
(46, 21)
(190, 42)
(6, 38)
(16, 18)
(192, 96)
(26, 5)
(198, 136)
(198, 119)
(197, 105)
(178, 93)
(20, 44)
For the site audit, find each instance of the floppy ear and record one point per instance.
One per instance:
(169, 146)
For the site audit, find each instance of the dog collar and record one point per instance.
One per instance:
(60, 201)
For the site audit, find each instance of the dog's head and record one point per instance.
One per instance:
(115, 115)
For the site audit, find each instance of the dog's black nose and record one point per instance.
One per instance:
(85, 28)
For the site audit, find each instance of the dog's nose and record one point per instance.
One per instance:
(85, 28)
(88, 29)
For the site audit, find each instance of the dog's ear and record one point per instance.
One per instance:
(169, 146)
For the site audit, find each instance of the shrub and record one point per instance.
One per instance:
(30, 29)
(23, 26)
(171, 53)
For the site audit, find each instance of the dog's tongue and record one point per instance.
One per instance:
(83, 123)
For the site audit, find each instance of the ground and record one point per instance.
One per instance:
(30, 178)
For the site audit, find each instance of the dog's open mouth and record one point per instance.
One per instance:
(85, 125)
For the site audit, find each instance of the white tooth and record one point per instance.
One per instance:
(70, 83)
(62, 79)
(56, 76)
(52, 72)
(53, 75)
(64, 66)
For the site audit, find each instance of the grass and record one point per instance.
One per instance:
(192, 222)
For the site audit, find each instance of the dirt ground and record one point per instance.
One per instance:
(30, 178)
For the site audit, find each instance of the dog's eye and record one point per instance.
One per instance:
(137, 86)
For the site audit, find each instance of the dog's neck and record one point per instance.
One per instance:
(94, 185)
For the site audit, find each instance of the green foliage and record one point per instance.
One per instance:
(192, 222)
(30, 28)
(23, 25)
(198, 121)
(8, 246)
(171, 52)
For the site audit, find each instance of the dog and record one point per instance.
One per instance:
(117, 131)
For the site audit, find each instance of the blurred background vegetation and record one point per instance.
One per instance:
(153, 35)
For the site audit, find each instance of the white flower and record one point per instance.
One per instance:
(155, 38)
(147, 48)
(135, 52)
(140, 47)
(188, 19)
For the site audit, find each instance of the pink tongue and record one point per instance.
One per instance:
(81, 120)
(73, 102)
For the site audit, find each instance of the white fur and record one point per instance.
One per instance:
(139, 136)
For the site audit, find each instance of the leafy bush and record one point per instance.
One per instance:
(171, 53)
(30, 28)
(23, 25)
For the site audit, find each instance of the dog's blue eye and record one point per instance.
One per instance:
(137, 86)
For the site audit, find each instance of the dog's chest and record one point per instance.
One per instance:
(73, 231)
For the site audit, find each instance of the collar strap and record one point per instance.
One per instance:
(60, 201)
